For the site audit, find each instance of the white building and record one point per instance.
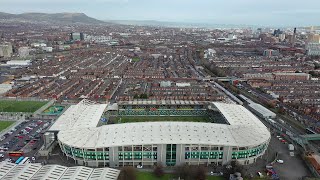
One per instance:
(98, 39)
(23, 51)
(47, 49)
(313, 49)
(243, 138)
(165, 84)
(6, 50)
(19, 63)
(183, 84)
(5, 88)
(38, 45)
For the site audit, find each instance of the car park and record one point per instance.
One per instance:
(22, 134)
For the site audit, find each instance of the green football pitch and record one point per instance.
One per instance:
(128, 119)
(20, 106)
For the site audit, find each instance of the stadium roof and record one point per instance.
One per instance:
(245, 130)
(262, 110)
(162, 102)
(32, 171)
(82, 115)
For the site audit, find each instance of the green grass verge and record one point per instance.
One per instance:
(127, 119)
(135, 59)
(20, 106)
(5, 124)
(150, 176)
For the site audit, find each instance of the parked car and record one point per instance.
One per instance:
(280, 161)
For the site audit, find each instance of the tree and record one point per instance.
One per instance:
(281, 110)
(136, 96)
(182, 171)
(158, 170)
(200, 173)
(128, 172)
(144, 96)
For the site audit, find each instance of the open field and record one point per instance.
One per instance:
(5, 124)
(128, 119)
(20, 106)
(150, 176)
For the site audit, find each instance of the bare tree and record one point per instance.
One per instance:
(158, 170)
(127, 173)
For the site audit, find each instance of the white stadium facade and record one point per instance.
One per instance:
(243, 138)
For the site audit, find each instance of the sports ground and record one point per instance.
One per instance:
(128, 119)
(20, 106)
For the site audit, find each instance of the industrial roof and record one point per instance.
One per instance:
(245, 130)
(262, 110)
(5, 168)
(30, 171)
(23, 171)
(82, 115)
(49, 172)
(104, 173)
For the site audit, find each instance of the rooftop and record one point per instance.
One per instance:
(32, 171)
(162, 102)
(82, 115)
(245, 129)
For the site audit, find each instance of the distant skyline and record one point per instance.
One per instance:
(249, 12)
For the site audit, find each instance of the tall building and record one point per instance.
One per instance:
(294, 37)
(270, 52)
(76, 36)
(6, 50)
(313, 38)
(282, 37)
(313, 49)
(277, 32)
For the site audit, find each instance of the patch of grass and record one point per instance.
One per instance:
(5, 124)
(20, 106)
(215, 178)
(127, 119)
(135, 59)
(150, 176)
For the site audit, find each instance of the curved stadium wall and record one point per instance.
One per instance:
(243, 138)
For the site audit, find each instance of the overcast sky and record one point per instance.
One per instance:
(250, 12)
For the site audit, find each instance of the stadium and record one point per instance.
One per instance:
(230, 133)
